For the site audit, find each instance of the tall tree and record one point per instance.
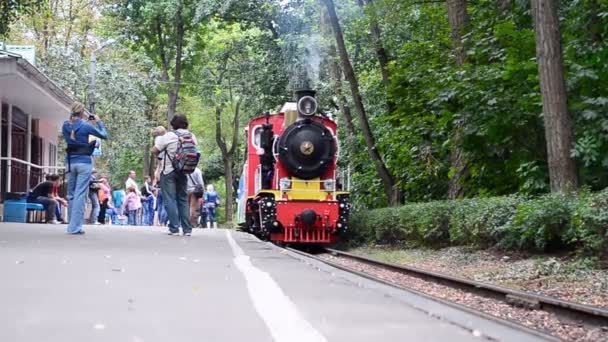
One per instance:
(505, 6)
(228, 153)
(335, 75)
(381, 54)
(458, 19)
(557, 120)
(11, 9)
(392, 190)
(160, 28)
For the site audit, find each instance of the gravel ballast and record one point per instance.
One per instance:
(536, 319)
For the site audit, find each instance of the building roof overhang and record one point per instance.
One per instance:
(26, 87)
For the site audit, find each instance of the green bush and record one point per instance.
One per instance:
(541, 224)
(431, 221)
(361, 229)
(385, 229)
(591, 224)
(481, 221)
(546, 223)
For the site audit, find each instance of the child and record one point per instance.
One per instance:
(157, 133)
(202, 211)
(160, 208)
(132, 203)
(212, 200)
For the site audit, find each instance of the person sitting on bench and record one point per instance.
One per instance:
(42, 194)
(62, 202)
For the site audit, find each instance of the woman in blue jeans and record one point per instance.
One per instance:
(76, 131)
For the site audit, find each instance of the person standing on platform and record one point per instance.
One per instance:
(174, 182)
(104, 199)
(212, 200)
(131, 182)
(76, 131)
(131, 205)
(147, 200)
(94, 198)
(196, 190)
(118, 197)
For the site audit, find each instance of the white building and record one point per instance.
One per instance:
(33, 109)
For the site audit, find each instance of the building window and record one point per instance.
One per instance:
(52, 155)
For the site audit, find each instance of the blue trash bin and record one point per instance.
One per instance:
(15, 211)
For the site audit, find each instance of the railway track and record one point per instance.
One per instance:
(574, 314)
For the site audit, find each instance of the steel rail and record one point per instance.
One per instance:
(577, 313)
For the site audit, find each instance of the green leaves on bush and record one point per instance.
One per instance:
(590, 223)
(553, 222)
(481, 221)
(542, 223)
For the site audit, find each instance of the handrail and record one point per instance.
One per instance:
(57, 167)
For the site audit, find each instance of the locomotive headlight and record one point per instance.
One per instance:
(329, 184)
(284, 183)
(307, 105)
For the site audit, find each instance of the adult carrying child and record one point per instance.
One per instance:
(179, 159)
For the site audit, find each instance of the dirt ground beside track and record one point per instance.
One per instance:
(551, 275)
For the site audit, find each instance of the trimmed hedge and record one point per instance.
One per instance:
(552, 222)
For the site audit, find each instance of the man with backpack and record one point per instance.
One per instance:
(180, 158)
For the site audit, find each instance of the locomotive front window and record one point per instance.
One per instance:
(256, 137)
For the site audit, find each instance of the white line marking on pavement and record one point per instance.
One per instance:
(279, 313)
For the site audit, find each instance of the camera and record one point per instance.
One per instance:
(91, 117)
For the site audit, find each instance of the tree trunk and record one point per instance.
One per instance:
(335, 75)
(381, 54)
(505, 6)
(229, 190)
(458, 19)
(177, 75)
(228, 154)
(558, 124)
(147, 158)
(70, 24)
(595, 24)
(392, 190)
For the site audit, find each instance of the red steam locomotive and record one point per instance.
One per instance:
(289, 189)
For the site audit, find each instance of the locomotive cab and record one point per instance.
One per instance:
(290, 172)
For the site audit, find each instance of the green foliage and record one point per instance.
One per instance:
(542, 224)
(481, 221)
(121, 104)
(11, 9)
(554, 222)
(494, 97)
(591, 223)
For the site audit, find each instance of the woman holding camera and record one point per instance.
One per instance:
(76, 131)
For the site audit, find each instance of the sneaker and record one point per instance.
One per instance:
(96, 223)
(54, 222)
(187, 234)
(174, 234)
(80, 232)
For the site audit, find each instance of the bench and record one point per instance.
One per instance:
(18, 210)
(35, 212)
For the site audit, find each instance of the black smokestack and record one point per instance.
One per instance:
(304, 92)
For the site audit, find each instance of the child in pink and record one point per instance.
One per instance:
(132, 203)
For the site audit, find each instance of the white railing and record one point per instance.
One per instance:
(29, 165)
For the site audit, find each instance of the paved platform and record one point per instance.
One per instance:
(138, 284)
